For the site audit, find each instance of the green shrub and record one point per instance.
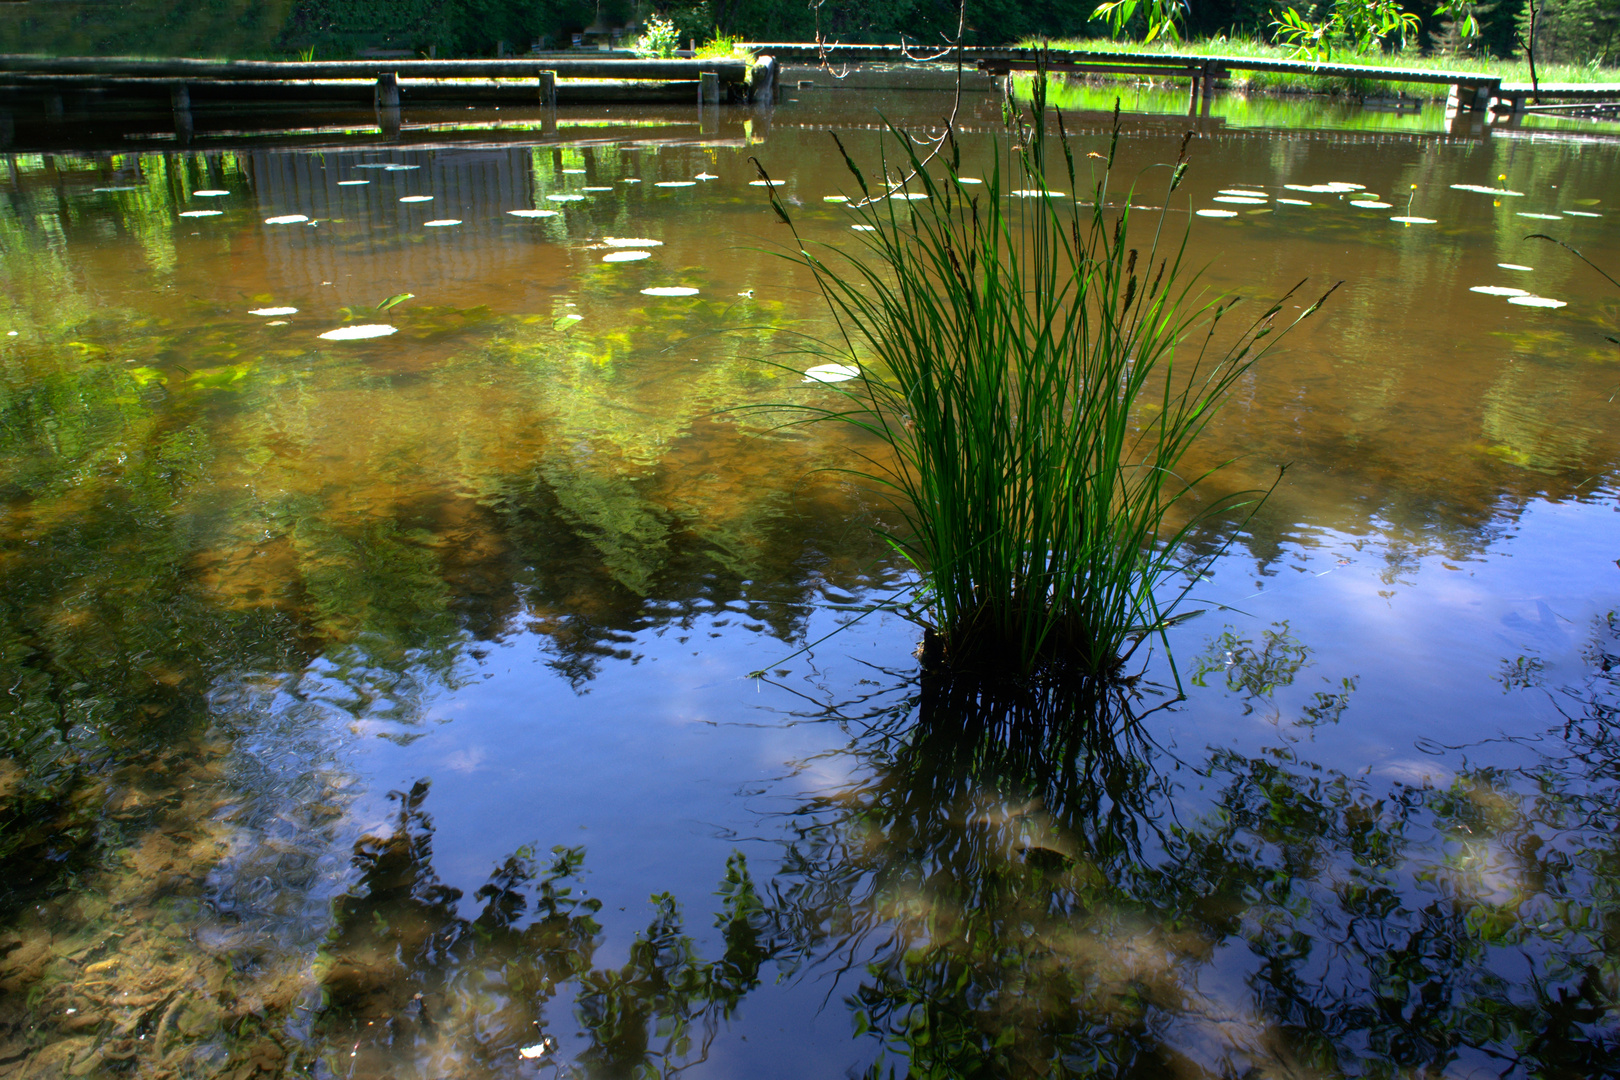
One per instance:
(660, 40)
(1028, 368)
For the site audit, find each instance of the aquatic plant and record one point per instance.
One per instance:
(1022, 358)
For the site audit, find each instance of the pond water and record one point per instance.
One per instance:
(381, 706)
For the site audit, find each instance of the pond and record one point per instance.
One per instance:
(381, 706)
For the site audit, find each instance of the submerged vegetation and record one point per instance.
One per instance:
(1030, 368)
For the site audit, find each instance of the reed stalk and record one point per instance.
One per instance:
(1037, 377)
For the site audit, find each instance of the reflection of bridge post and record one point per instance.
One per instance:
(8, 129)
(386, 99)
(708, 119)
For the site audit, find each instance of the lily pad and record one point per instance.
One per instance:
(596, 189)
(270, 311)
(566, 198)
(864, 228)
(1296, 202)
(373, 165)
(532, 213)
(706, 176)
(626, 256)
(1515, 266)
(669, 290)
(416, 198)
(1542, 217)
(676, 183)
(1244, 193)
(631, 242)
(201, 213)
(968, 180)
(1581, 213)
(1216, 213)
(766, 183)
(1405, 219)
(400, 168)
(630, 180)
(1370, 204)
(1030, 193)
(1483, 190)
(1537, 301)
(441, 223)
(1579, 202)
(908, 196)
(210, 193)
(574, 172)
(831, 373)
(352, 183)
(1246, 200)
(359, 332)
(835, 198)
(286, 219)
(1498, 290)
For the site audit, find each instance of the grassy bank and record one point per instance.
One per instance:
(1510, 71)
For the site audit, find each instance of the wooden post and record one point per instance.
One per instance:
(180, 102)
(1192, 95)
(548, 89)
(387, 96)
(708, 88)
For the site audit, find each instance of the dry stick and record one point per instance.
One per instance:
(1530, 54)
(950, 121)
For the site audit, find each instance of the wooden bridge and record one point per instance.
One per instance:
(1468, 91)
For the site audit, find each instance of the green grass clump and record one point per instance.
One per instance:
(1026, 361)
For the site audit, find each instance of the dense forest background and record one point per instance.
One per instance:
(1580, 31)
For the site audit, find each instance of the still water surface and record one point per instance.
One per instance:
(360, 693)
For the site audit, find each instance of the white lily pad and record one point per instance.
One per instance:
(400, 168)
(352, 183)
(1498, 290)
(835, 198)
(532, 213)
(909, 196)
(626, 256)
(210, 193)
(201, 213)
(630, 180)
(706, 176)
(1515, 266)
(1244, 193)
(766, 183)
(531, 1053)
(1542, 217)
(596, 189)
(416, 198)
(441, 223)
(566, 198)
(1370, 204)
(864, 228)
(1296, 202)
(286, 219)
(373, 165)
(1537, 301)
(968, 180)
(270, 311)
(1245, 200)
(1483, 190)
(1216, 213)
(278, 322)
(669, 290)
(631, 242)
(359, 333)
(1581, 213)
(831, 373)
(1405, 219)
(676, 183)
(1030, 193)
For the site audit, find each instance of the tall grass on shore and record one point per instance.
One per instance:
(1033, 369)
